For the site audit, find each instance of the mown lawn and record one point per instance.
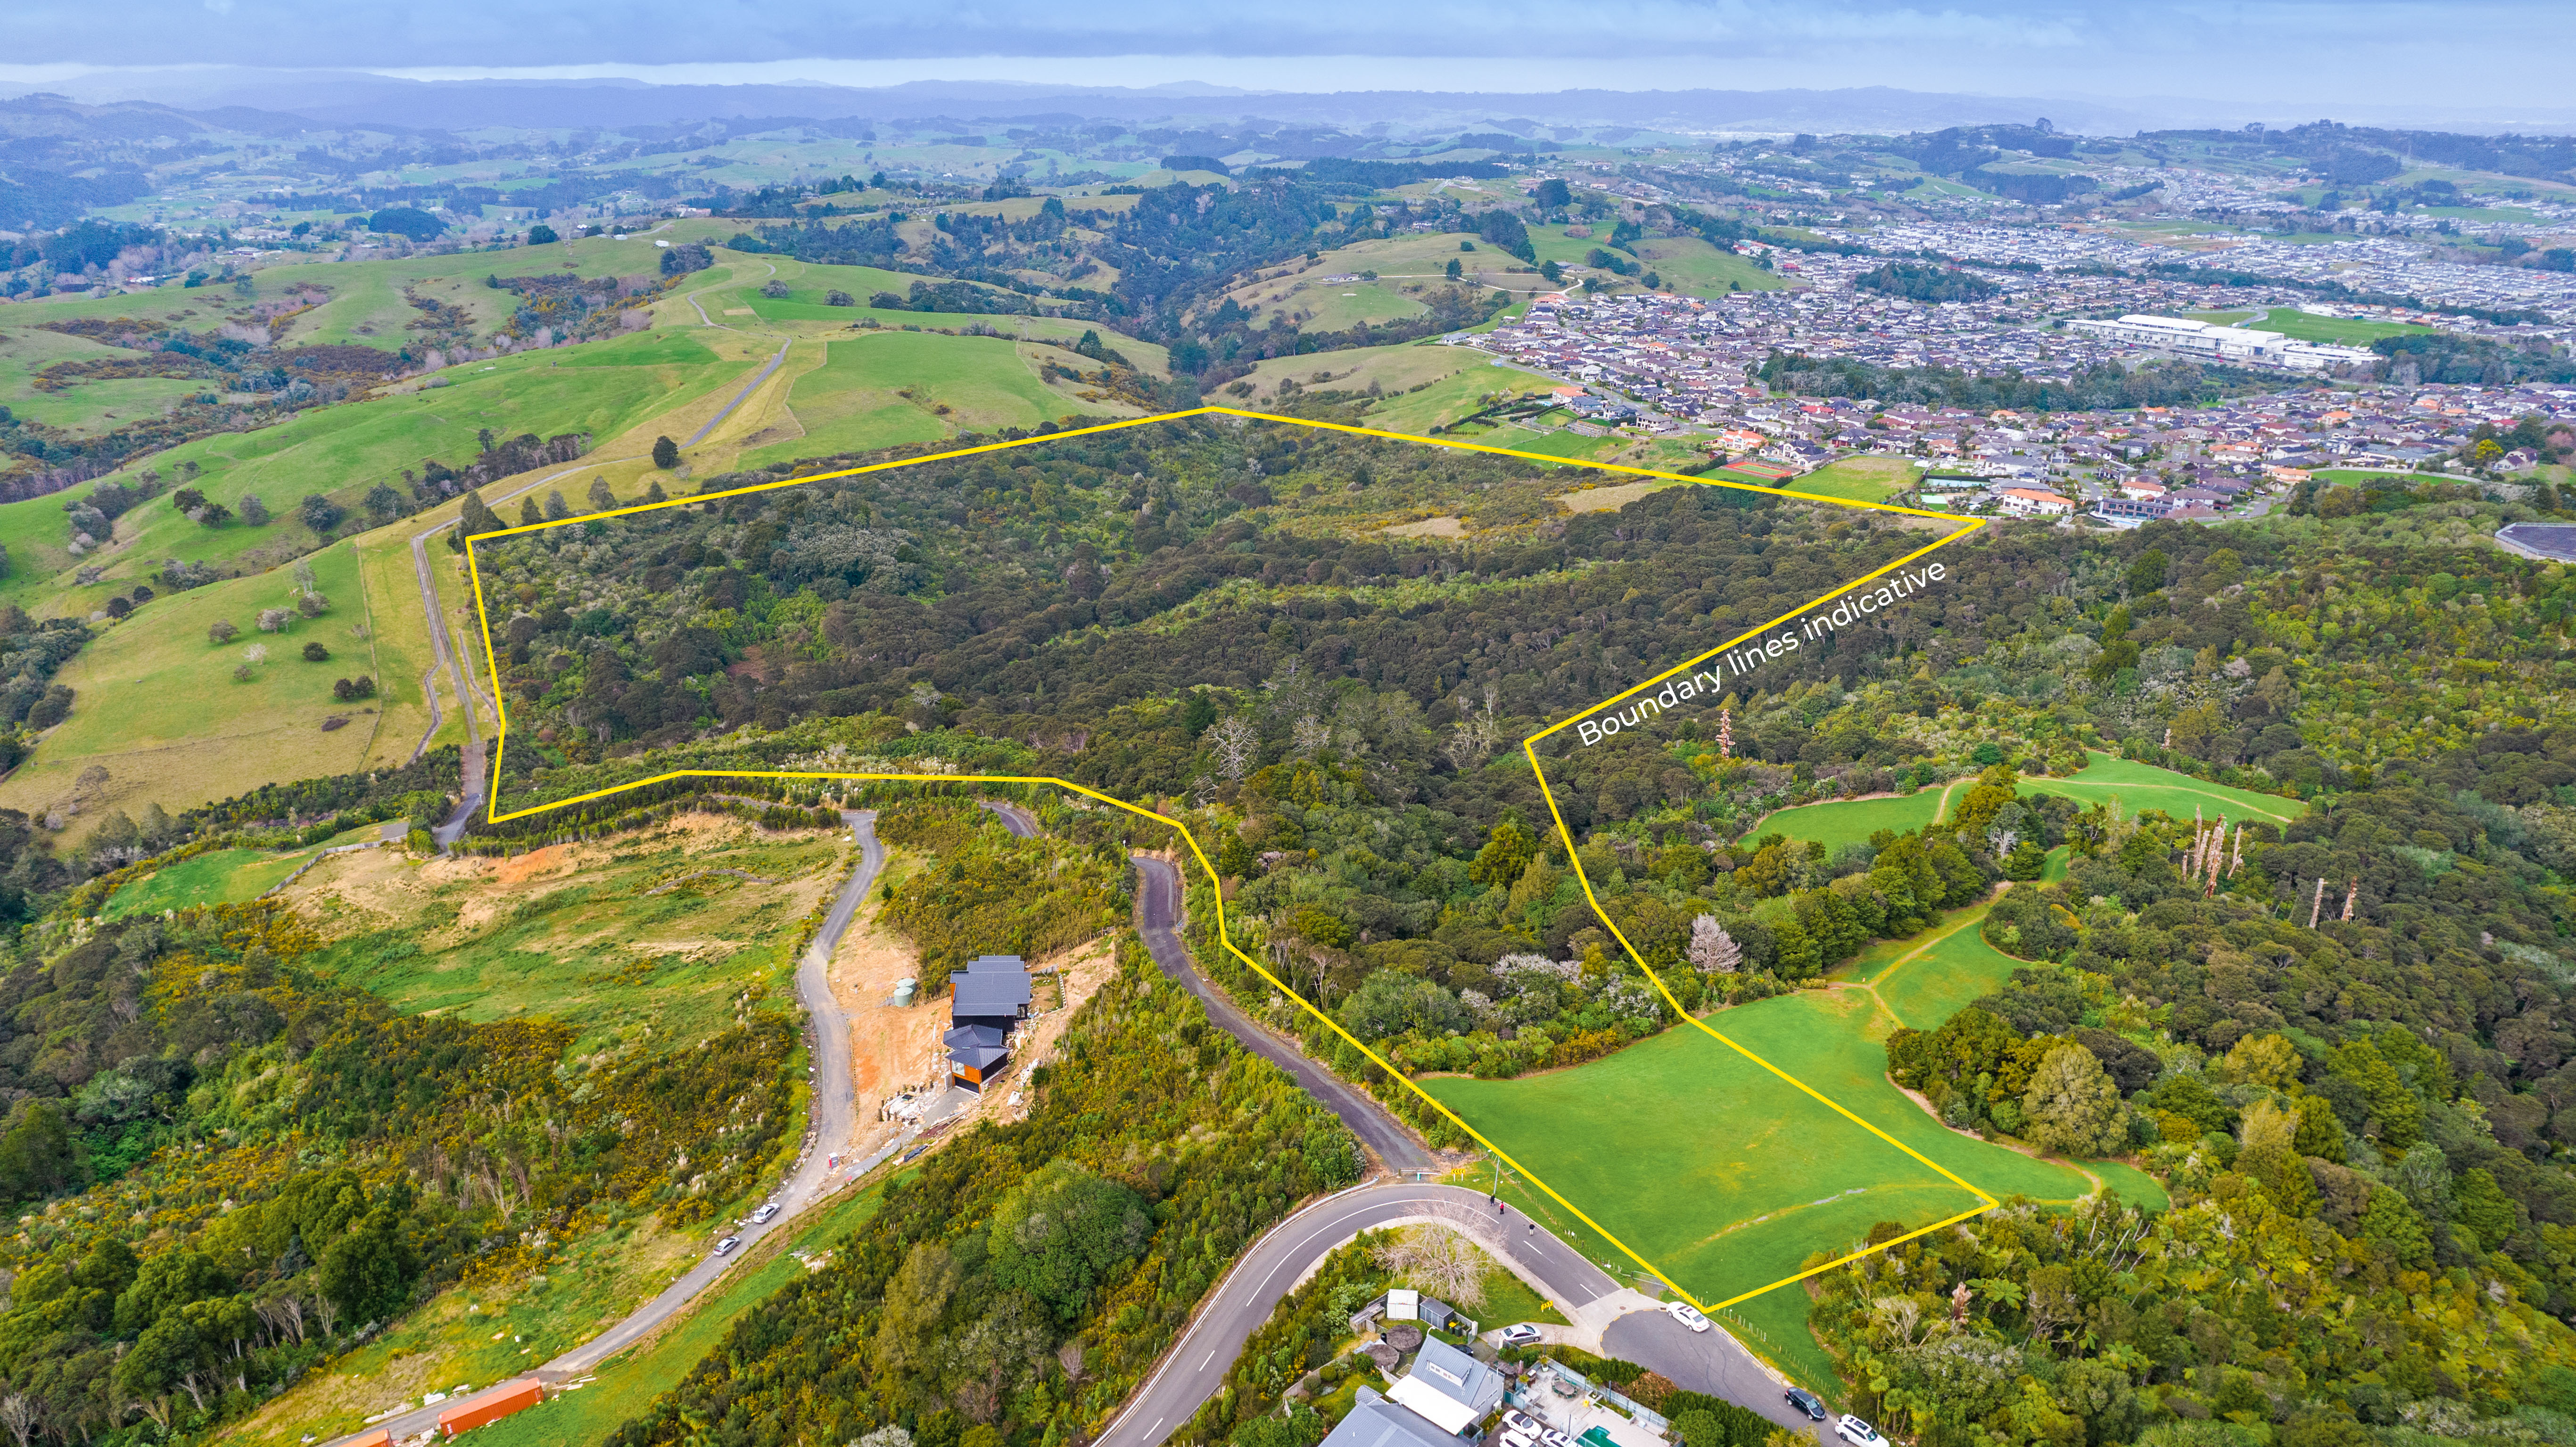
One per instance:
(2126, 782)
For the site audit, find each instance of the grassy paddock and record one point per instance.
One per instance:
(1858, 479)
(159, 709)
(2130, 784)
(1740, 1175)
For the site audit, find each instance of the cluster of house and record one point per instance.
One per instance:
(1677, 366)
(1445, 1396)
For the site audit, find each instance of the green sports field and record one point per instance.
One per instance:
(1857, 479)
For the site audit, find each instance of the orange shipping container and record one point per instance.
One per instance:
(492, 1406)
(377, 1438)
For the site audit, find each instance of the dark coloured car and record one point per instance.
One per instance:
(1805, 1401)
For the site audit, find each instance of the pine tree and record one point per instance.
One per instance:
(600, 496)
(655, 493)
(529, 513)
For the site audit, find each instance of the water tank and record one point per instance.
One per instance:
(903, 990)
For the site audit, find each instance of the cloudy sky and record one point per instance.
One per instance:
(2491, 53)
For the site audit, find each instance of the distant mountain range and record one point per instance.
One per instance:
(242, 95)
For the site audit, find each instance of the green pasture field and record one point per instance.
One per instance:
(158, 707)
(2367, 477)
(737, 300)
(604, 389)
(1858, 479)
(1693, 267)
(84, 407)
(850, 402)
(599, 950)
(2133, 785)
(220, 876)
(1395, 370)
(1445, 401)
(1727, 1177)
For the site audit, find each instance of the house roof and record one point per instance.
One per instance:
(996, 965)
(987, 1036)
(1376, 1422)
(1450, 1388)
(980, 1057)
(985, 995)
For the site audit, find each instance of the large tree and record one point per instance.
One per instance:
(2072, 1106)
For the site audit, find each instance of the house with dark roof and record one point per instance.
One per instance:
(988, 1000)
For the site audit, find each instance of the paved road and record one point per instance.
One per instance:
(1196, 1367)
(446, 654)
(1019, 821)
(832, 1128)
(738, 397)
(1158, 917)
(1709, 1361)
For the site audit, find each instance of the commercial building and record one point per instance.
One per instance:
(2234, 346)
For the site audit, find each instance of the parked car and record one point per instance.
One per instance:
(1510, 1438)
(1858, 1433)
(1682, 1311)
(767, 1210)
(725, 1247)
(1554, 1438)
(1520, 1334)
(1806, 1401)
(1516, 1420)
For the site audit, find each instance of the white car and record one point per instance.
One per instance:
(764, 1213)
(1522, 1423)
(725, 1247)
(1682, 1311)
(1511, 1438)
(1857, 1432)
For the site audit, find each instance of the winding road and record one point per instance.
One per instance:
(1158, 918)
(1608, 1318)
(833, 1123)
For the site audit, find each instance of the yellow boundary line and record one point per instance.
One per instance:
(1529, 747)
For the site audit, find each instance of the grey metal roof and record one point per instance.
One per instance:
(1456, 1375)
(980, 996)
(980, 1057)
(996, 965)
(986, 1036)
(1377, 1422)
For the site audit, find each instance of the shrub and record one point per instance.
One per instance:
(839, 298)
(774, 290)
(221, 632)
(350, 690)
(316, 653)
